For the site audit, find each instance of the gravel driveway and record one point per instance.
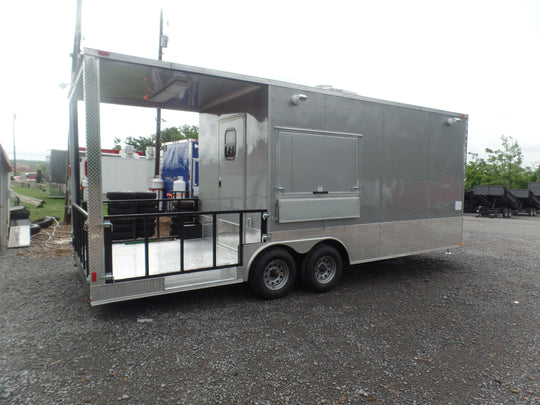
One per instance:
(428, 329)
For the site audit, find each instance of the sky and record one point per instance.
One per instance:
(478, 57)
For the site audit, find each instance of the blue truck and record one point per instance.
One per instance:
(180, 162)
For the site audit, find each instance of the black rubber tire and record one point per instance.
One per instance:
(19, 212)
(122, 221)
(176, 225)
(121, 195)
(273, 274)
(34, 228)
(191, 231)
(149, 227)
(43, 222)
(121, 228)
(188, 219)
(187, 205)
(322, 268)
(145, 195)
(116, 210)
(148, 209)
(122, 236)
(149, 233)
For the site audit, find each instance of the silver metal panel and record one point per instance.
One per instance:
(232, 169)
(208, 162)
(144, 64)
(164, 257)
(446, 170)
(256, 162)
(361, 241)
(404, 166)
(399, 179)
(93, 150)
(249, 252)
(202, 279)
(127, 290)
(256, 156)
(398, 238)
(370, 242)
(317, 208)
(311, 161)
(19, 236)
(104, 294)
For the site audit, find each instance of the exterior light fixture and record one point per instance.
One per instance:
(297, 98)
(452, 121)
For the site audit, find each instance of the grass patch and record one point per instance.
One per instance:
(53, 207)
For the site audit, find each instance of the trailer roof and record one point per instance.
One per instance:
(136, 81)
(4, 161)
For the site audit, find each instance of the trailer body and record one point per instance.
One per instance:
(529, 203)
(287, 174)
(535, 188)
(120, 171)
(56, 173)
(495, 200)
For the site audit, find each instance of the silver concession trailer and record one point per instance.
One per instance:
(294, 181)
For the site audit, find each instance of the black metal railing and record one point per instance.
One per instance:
(220, 230)
(80, 236)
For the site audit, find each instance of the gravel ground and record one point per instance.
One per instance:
(427, 329)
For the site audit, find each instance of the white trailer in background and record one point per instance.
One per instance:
(121, 171)
(293, 180)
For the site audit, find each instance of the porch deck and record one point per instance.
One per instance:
(164, 257)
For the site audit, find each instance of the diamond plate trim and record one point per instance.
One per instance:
(93, 150)
(105, 294)
(368, 242)
(398, 238)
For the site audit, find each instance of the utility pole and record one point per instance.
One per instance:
(14, 155)
(162, 44)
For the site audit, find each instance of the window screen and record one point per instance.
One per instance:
(311, 162)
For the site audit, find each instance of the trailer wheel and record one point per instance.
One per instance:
(273, 274)
(322, 268)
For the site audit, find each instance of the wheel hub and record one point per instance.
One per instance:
(276, 274)
(325, 269)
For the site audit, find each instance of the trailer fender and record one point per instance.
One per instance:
(298, 247)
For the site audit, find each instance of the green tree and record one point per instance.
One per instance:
(505, 164)
(502, 166)
(535, 176)
(474, 171)
(167, 135)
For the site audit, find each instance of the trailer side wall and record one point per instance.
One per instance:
(411, 180)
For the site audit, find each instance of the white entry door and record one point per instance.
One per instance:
(232, 163)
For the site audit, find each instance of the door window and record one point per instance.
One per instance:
(230, 144)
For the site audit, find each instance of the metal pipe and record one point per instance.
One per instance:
(158, 117)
